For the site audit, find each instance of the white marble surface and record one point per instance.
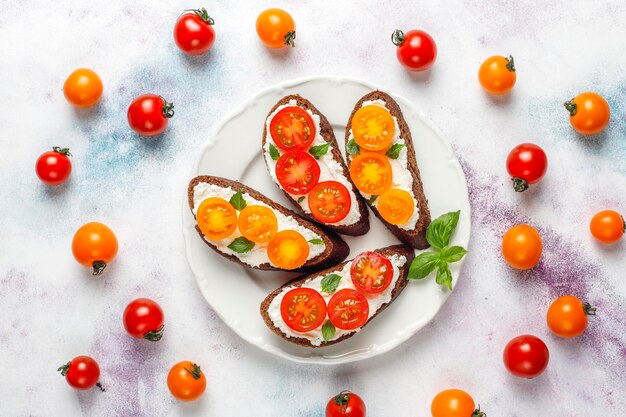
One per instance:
(51, 309)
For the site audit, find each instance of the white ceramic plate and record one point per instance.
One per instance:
(235, 293)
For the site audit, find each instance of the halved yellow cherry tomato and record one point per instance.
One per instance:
(396, 206)
(288, 249)
(373, 128)
(257, 223)
(216, 218)
(371, 173)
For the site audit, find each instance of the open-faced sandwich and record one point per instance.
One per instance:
(247, 227)
(383, 167)
(303, 158)
(332, 305)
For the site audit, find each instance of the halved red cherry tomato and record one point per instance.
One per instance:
(329, 201)
(373, 128)
(303, 309)
(371, 272)
(297, 172)
(348, 309)
(288, 249)
(292, 128)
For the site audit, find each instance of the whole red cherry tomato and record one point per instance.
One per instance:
(143, 318)
(526, 356)
(82, 373)
(416, 49)
(527, 164)
(54, 167)
(345, 404)
(194, 33)
(148, 114)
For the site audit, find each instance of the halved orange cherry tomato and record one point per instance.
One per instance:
(371, 173)
(329, 201)
(297, 172)
(217, 218)
(303, 309)
(288, 249)
(371, 272)
(348, 309)
(292, 128)
(257, 223)
(373, 128)
(396, 206)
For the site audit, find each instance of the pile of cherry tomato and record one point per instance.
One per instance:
(95, 245)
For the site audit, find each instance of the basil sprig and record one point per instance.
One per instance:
(237, 201)
(316, 241)
(330, 283)
(328, 331)
(274, 154)
(352, 147)
(319, 150)
(241, 245)
(394, 151)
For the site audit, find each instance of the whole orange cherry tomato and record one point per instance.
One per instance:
(186, 381)
(94, 245)
(567, 316)
(522, 247)
(607, 226)
(497, 74)
(83, 88)
(276, 28)
(589, 113)
(454, 403)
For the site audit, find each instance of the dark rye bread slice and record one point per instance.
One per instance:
(326, 132)
(401, 283)
(416, 237)
(336, 249)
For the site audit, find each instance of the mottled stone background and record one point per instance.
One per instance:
(51, 309)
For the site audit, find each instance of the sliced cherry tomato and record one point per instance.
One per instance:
(396, 206)
(276, 28)
(94, 245)
(148, 114)
(567, 316)
(83, 88)
(81, 373)
(589, 113)
(497, 74)
(292, 128)
(194, 32)
(329, 201)
(371, 173)
(348, 309)
(143, 319)
(416, 49)
(371, 272)
(257, 223)
(297, 172)
(217, 218)
(526, 356)
(345, 404)
(527, 164)
(288, 249)
(522, 247)
(607, 226)
(54, 167)
(186, 381)
(303, 309)
(373, 128)
(454, 403)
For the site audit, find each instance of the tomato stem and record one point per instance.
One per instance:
(202, 14)
(168, 109)
(589, 309)
(195, 373)
(62, 151)
(397, 37)
(342, 400)
(99, 385)
(154, 335)
(519, 184)
(290, 37)
(478, 413)
(623, 223)
(510, 64)
(64, 368)
(571, 107)
(98, 267)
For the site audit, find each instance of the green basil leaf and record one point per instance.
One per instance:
(328, 330)
(300, 199)
(274, 154)
(316, 241)
(394, 151)
(440, 230)
(330, 283)
(352, 147)
(373, 198)
(453, 254)
(237, 201)
(319, 150)
(444, 277)
(241, 245)
(423, 264)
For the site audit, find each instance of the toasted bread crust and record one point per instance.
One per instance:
(336, 249)
(416, 237)
(401, 283)
(326, 132)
